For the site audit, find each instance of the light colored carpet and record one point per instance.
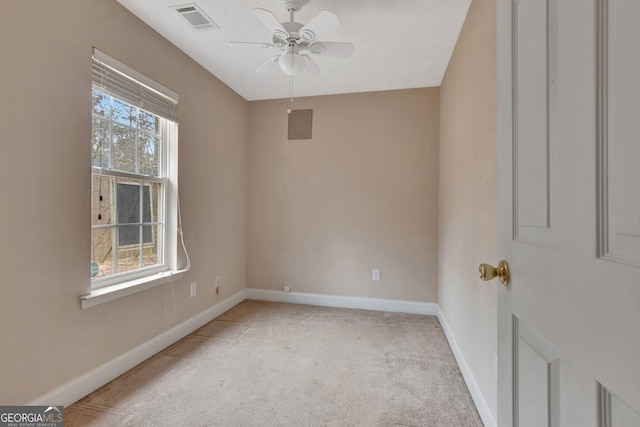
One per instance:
(274, 364)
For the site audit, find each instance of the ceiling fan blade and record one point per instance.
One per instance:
(252, 44)
(271, 22)
(323, 23)
(268, 65)
(311, 68)
(332, 49)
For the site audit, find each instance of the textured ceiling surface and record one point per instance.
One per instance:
(398, 44)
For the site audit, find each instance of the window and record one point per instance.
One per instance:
(133, 171)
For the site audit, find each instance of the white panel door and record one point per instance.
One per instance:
(569, 212)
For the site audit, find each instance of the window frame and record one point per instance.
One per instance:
(120, 284)
(163, 265)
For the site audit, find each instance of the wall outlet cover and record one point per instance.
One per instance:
(287, 288)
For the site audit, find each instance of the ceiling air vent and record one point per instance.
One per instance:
(195, 16)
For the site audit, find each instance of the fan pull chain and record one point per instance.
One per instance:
(291, 80)
(291, 88)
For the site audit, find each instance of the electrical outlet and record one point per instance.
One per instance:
(287, 288)
(218, 280)
(375, 275)
(194, 289)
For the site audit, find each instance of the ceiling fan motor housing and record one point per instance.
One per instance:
(293, 28)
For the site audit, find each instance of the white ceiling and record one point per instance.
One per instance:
(398, 44)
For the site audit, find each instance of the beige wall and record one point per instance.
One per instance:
(45, 129)
(467, 220)
(361, 194)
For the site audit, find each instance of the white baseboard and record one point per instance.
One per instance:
(487, 416)
(324, 300)
(77, 388)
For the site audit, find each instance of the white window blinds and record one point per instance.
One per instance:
(117, 79)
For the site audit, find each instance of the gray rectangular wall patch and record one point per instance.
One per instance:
(300, 124)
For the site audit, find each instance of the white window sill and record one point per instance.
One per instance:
(112, 292)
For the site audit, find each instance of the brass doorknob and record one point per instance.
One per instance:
(488, 272)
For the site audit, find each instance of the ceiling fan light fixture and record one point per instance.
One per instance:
(297, 42)
(292, 63)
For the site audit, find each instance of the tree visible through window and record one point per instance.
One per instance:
(128, 187)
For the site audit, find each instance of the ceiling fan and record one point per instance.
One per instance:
(298, 42)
